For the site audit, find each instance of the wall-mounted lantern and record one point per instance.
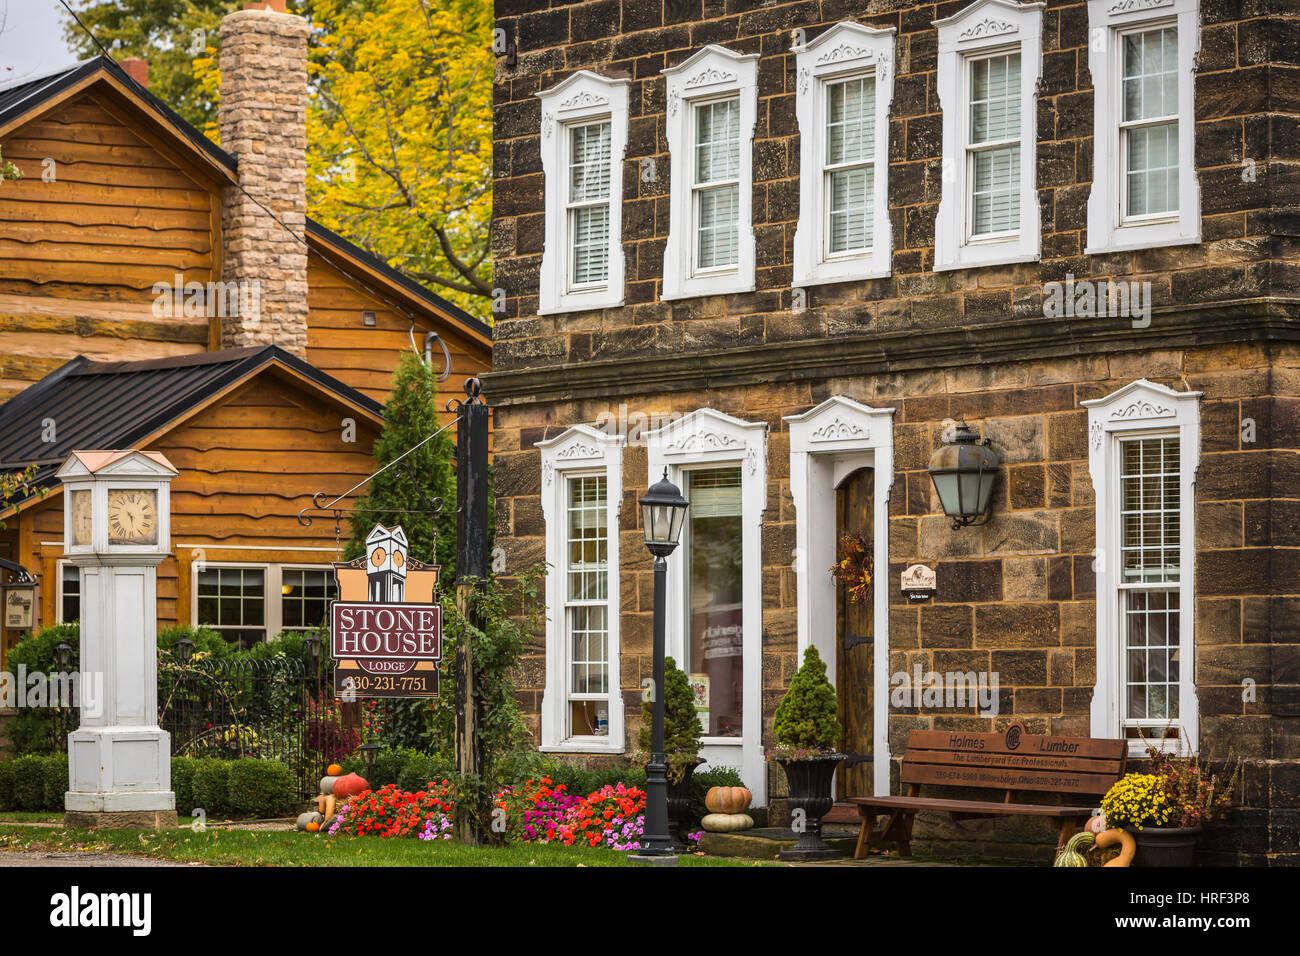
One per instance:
(963, 471)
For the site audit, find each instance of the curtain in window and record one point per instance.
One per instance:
(850, 154)
(995, 144)
(1150, 121)
(589, 194)
(717, 187)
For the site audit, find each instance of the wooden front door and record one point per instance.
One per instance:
(855, 644)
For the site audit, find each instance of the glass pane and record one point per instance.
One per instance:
(995, 99)
(717, 141)
(1151, 158)
(232, 601)
(588, 571)
(850, 224)
(851, 121)
(590, 231)
(996, 192)
(1151, 532)
(589, 162)
(1151, 634)
(1151, 74)
(718, 215)
(715, 577)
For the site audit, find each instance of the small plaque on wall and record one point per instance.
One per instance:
(919, 583)
(18, 608)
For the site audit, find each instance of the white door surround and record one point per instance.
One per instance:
(827, 444)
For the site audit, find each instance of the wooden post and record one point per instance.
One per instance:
(471, 562)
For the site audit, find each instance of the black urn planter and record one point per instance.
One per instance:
(810, 791)
(679, 804)
(1165, 846)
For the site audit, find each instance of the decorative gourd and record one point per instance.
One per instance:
(726, 822)
(311, 816)
(350, 786)
(727, 799)
(1075, 847)
(1127, 845)
(325, 805)
(334, 770)
(327, 784)
(313, 827)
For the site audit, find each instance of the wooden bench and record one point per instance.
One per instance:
(1016, 762)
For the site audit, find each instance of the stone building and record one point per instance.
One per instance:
(781, 249)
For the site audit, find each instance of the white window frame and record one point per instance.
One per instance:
(578, 452)
(986, 28)
(273, 576)
(847, 51)
(58, 597)
(1108, 22)
(1142, 409)
(713, 73)
(581, 99)
(709, 439)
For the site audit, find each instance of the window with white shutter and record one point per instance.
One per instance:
(845, 85)
(990, 60)
(584, 134)
(712, 103)
(1144, 191)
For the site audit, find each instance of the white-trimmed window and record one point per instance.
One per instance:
(69, 592)
(247, 603)
(715, 578)
(582, 489)
(990, 60)
(584, 135)
(1143, 451)
(712, 107)
(845, 86)
(1144, 190)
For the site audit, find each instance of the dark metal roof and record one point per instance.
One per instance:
(117, 404)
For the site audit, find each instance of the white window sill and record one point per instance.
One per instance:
(583, 302)
(987, 256)
(845, 276)
(1136, 238)
(702, 286)
(579, 746)
(722, 742)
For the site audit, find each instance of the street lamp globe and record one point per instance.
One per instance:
(663, 510)
(963, 470)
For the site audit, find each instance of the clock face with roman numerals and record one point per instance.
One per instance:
(132, 516)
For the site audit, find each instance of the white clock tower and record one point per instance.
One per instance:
(117, 530)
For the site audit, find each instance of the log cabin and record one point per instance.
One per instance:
(124, 224)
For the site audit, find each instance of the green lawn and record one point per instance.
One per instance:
(288, 848)
(19, 816)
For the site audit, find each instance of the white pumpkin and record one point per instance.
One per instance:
(726, 822)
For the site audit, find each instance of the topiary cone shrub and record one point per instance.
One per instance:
(682, 729)
(807, 721)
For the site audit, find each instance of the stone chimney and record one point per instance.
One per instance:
(263, 123)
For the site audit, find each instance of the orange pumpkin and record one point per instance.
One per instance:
(727, 799)
(333, 770)
(350, 786)
(313, 827)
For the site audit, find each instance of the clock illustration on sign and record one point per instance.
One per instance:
(377, 557)
(81, 522)
(132, 516)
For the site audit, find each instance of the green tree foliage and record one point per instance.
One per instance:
(170, 34)
(404, 494)
(807, 715)
(682, 729)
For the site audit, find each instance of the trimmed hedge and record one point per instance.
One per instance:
(223, 788)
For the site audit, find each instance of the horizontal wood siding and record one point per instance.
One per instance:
(366, 357)
(80, 253)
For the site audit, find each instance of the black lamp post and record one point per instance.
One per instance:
(63, 651)
(368, 750)
(663, 510)
(963, 471)
(185, 648)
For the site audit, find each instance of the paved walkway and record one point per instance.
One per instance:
(14, 858)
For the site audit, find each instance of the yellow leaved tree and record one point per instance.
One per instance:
(400, 136)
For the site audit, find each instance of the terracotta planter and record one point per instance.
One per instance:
(810, 791)
(1165, 846)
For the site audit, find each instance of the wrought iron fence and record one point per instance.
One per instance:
(270, 708)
